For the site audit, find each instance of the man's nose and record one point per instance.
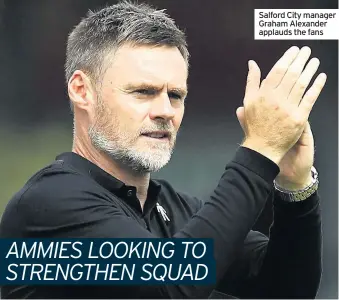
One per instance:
(161, 107)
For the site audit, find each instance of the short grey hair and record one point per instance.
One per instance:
(103, 32)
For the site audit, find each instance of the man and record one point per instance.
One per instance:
(126, 70)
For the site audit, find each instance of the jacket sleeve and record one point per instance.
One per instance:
(289, 263)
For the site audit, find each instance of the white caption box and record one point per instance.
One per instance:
(296, 24)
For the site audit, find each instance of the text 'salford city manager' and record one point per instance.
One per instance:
(126, 70)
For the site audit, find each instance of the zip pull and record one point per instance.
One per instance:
(163, 213)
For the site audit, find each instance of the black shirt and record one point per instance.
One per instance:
(72, 197)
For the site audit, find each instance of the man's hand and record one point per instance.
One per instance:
(275, 115)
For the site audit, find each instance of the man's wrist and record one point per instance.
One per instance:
(293, 186)
(272, 154)
(302, 193)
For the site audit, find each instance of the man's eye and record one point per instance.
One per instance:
(145, 92)
(174, 96)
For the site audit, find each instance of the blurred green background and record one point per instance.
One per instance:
(23, 154)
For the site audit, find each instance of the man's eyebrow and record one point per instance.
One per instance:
(134, 86)
(180, 91)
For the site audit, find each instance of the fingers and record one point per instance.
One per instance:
(307, 128)
(304, 80)
(294, 71)
(241, 117)
(278, 71)
(253, 79)
(312, 95)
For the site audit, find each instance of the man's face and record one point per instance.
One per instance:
(140, 106)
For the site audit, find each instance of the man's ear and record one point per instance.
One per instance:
(81, 91)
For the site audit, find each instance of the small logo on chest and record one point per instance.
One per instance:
(163, 213)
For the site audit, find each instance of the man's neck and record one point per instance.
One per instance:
(127, 176)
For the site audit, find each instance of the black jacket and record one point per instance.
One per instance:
(74, 198)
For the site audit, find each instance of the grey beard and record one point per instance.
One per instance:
(138, 162)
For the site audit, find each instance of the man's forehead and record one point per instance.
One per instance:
(161, 64)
